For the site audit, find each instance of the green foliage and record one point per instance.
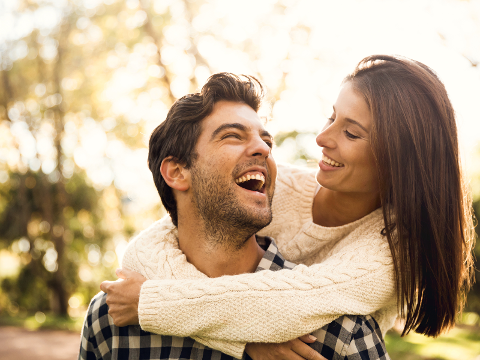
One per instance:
(473, 298)
(460, 343)
(29, 291)
(82, 217)
(48, 321)
(298, 144)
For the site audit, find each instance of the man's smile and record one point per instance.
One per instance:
(253, 181)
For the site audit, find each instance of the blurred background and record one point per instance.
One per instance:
(84, 82)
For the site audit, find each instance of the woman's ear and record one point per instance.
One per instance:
(175, 174)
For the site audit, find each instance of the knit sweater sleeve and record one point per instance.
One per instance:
(274, 306)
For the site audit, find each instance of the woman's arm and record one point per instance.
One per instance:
(122, 301)
(272, 306)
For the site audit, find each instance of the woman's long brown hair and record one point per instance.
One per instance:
(426, 205)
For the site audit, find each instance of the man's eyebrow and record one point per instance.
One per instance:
(222, 127)
(266, 133)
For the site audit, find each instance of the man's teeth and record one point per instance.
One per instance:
(258, 177)
(331, 162)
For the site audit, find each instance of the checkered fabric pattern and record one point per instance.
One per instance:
(348, 337)
(351, 337)
(272, 259)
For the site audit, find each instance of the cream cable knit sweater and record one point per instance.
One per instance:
(350, 271)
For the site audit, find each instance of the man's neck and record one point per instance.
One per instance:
(217, 256)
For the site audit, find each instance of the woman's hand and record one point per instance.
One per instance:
(123, 296)
(291, 350)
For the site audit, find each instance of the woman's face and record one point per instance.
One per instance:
(348, 164)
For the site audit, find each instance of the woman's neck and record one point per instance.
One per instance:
(333, 208)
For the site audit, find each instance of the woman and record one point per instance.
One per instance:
(390, 230)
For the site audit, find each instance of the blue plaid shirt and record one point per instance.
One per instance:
(350, 337)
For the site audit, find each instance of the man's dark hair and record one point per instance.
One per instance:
(178, 134)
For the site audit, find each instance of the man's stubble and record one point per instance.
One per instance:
(227, 221)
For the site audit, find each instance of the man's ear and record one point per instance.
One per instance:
(175, 174)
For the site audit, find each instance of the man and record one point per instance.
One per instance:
(211, 164)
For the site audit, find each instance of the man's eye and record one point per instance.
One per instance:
(236, 136)
(269, 143)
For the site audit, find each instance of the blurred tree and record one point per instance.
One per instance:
(31, 221)
(83, 83)
(53, 80)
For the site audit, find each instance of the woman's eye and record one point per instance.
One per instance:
(331, 119)
(350, 135)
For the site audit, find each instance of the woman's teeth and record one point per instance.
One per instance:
(331, 162)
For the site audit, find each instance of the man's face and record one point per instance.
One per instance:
(233, 148)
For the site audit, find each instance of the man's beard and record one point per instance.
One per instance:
(227, 221)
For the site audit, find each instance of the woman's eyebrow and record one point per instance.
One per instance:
(222, 127)
(354, 122)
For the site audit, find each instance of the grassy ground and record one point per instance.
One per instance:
(42, 321)
(463, 342)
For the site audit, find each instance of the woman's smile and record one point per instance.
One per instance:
(330, 162)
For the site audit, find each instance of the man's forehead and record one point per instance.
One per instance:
(226, 113)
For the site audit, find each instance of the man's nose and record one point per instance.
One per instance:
(260, 148)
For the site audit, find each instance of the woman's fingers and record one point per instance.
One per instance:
(123, 296)
(261, 351)
(129, 274)
(305, 351)
(121, 273)
(309, 339)
(104, 286)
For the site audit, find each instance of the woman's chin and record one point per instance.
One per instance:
(324, 183)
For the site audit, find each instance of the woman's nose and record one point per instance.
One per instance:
(326, 138)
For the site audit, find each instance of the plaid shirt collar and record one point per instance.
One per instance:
(272, 259)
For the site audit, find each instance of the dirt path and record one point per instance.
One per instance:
(21, 344)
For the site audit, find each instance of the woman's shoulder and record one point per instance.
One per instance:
(367, 230)
(366, 240)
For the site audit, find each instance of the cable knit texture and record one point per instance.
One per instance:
(344, 270)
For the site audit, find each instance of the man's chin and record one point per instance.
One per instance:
(260, 219)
